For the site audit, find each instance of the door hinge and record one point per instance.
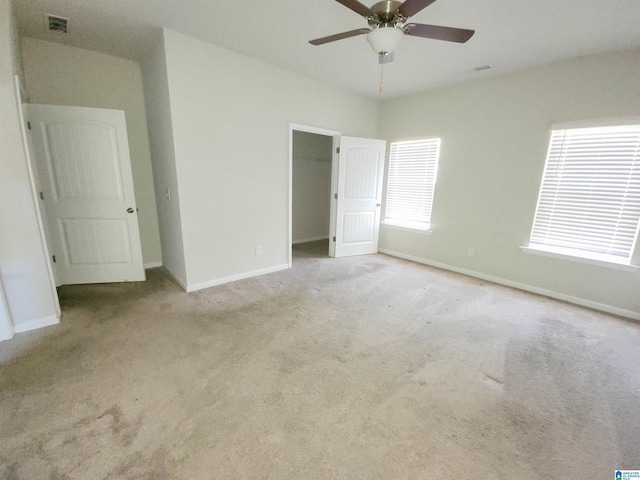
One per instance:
(335, 195)
(41, 196)
(54, 258)
(334, 239)
(338, 150)
(29, 125)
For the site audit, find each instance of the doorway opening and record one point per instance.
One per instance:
(312, 176)
(311, 192)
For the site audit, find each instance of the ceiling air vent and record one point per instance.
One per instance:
(483, 67)
(56, 24)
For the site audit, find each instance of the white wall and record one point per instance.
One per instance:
(311, 196)
(495, 135)
(23, 266)
(156, 93)
(231, 118)
(62, 75)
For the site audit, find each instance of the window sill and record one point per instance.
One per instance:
(574, 258)
(407, 229)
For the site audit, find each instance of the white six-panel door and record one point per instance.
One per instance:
(84, 166)
(360, 173)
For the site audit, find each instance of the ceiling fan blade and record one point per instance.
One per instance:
(385, 58)
(339, 36)
(357, 7)
(411, 7)
(448, 34)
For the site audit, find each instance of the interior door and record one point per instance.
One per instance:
(360, 171)
(82, 156)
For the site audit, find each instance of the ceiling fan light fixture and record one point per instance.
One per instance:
(384, 39)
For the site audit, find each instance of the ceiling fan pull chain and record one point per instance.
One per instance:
(381, 76)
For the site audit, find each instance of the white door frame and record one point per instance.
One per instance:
(6, 323)
(34, 193)
(334, 181)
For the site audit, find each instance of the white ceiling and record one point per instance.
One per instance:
(510, 35)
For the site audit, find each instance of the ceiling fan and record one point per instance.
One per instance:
(388, 23)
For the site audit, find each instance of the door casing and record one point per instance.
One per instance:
(334, 181)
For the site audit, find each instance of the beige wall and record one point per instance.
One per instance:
(231, 118)
(311, 190)
(62, 75)
(23, 264)
(495, 134)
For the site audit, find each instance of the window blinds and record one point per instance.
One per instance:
(590, 195)
(411, 181)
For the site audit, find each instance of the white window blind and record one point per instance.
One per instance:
(589, 203)
(410, 183)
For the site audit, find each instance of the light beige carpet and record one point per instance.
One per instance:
(367, 367)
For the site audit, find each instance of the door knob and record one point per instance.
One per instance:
(129, 210)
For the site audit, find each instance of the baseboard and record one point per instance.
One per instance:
(35, 324)
(219, 281)
(152, 265)
(4, 338)
(174, 277)
(310, 239)
(520, 286)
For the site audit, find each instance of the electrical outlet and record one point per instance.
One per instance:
(471, 251)
(258, 250)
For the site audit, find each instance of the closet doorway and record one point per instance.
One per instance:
(311, 172)
(349, 186)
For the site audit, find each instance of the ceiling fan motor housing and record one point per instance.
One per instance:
(385, 24)
(386, 13)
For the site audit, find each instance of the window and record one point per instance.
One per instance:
(589, 203)
(410, 183)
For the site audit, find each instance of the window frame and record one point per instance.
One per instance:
(413, 226)
(574, 254)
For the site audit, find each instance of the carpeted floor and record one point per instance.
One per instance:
(367, 367)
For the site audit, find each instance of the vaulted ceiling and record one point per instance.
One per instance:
(510, 35)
